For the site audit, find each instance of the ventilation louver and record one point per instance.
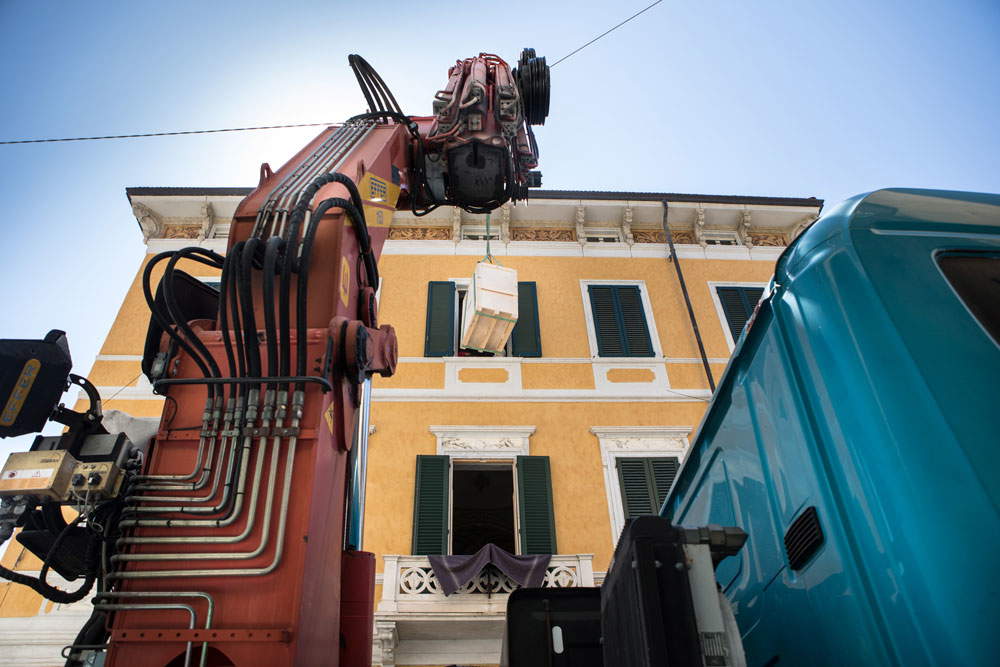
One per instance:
(803, 538)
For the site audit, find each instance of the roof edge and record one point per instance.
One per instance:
(534, 194)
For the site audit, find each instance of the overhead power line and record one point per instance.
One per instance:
(163, 134)
(606, 32)
(287, 125)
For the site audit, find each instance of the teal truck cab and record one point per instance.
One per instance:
(855, 437)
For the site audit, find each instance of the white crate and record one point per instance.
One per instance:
(490, 310)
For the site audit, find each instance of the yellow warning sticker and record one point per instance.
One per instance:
(345, 281)
(20, 392)
(328, 416)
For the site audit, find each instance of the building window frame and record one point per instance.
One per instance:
(635, 442)
(723, 322)
(492, 445)
(647, 308)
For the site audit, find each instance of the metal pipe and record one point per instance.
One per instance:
(251, 418)
(206, 417)
(358, 467)
(347, 137)
(141, 607)
(247, 529)
(241, 572)
(687, 298)
(268, 408)
(185, 594)
(282, 517)
(279, 190)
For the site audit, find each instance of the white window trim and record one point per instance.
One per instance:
(480, 230)
(646, 307)
(721, 312)
(720, 235)
(603, 231)
(483, 443)
(633, 442)
(463, 284)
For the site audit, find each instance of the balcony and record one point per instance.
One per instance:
(415, 624)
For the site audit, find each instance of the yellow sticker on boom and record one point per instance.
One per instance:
(345, 281)
(20, 392)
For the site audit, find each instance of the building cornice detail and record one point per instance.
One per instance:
(482, 441)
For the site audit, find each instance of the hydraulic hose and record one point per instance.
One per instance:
(271, 254)
(302, 297)
(162, 320)
(252, 342)
(173, 308)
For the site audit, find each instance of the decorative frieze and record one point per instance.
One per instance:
(482, 441)
(419, 234)
(541, 234)
(681, 236)
(648, 236)
(182, 232)
(767, 239)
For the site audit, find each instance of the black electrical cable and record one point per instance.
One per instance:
(49, 592)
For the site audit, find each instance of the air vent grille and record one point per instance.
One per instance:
(803, 538)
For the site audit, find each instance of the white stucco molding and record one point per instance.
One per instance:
(634, 441)
(482, 442)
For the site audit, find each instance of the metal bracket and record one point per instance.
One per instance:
(212, 636)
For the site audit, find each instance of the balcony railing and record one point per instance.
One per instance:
(409, 585)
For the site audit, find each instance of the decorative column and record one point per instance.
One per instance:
(456, 224)
(627, 226)
(745, 220)
(150, 223)
(699, 225)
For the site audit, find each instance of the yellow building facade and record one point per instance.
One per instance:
(546, 448)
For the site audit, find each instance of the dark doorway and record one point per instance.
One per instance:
(482, 507)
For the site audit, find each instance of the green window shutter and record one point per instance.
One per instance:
(439, 336)
(430, 506)
(737, 305)
(637, 488)
(534, 503)
(606, 327)
(633, 317)
(619, 321)
(645, 483)
(663, 471)
(526, 339)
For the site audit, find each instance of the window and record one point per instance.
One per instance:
(975, 277)
(619, 321)
(477, 233)
(736, 304)
(444, 303)
(716, 237)
(602, 236)
(645, 483)
(460, 506)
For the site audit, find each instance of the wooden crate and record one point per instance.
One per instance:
(490, 310)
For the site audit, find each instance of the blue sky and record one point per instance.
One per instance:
(823, 99)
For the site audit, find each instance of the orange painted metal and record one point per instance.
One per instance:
(302, 594)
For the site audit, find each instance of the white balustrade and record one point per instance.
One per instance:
(409, 585)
